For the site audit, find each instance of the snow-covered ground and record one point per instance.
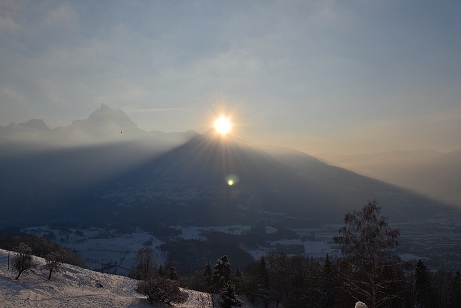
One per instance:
(76, 287)
(107, 250)
(102, 249)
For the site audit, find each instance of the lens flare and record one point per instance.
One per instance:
(232, 179)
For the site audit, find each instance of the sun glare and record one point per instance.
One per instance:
(223, 125)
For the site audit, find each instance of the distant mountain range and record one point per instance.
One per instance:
(103, 126)
(106, 169)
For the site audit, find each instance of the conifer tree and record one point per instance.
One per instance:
(228, 298)
(221, 273)
(238, 273)
(455, 291)
(172, 273)
(238, 280)
(327, 285)
(262, 282)
(208, 276)
(422, 286)
(161, 271)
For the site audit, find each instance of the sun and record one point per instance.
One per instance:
(223, 125)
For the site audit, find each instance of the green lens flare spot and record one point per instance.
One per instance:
(232, 179)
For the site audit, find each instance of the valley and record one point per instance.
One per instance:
(195, 197)
(112, 249)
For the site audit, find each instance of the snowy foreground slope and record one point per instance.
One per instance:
(75, 287)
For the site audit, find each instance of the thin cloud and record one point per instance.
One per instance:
(61, 15)
(155, 110)
(352, 77)
(8, 25)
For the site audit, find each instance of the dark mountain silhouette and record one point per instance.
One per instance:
(276, 185)
(211, 159)
(157, 179)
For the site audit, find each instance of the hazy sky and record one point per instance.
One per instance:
(321, 76)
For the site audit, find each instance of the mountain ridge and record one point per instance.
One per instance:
(165, 172)
(104, 125)
(436, 174)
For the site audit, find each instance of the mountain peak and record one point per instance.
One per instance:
(106, 123)
(104, 107)
(105, 115)
(34, 124)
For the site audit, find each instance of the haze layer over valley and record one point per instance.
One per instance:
(429, 172)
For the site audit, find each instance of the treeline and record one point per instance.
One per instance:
(41, 247)
(161, 284)
(22, 247)
(368, 271)
(299, 281)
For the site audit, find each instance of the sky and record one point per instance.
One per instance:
(346, 76)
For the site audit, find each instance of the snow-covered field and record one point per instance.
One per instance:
(102, 249)
(107, 250)
(76, 287)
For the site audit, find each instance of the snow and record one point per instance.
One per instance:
(97, 246)
(196, 233)
(270, 229)
(256, 253)
(360, 305)
(410, 256)
(76, 287)
(317, 249)
(118, 250)
(103, 247)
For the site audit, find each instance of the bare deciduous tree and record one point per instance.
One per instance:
(145, 266)
(367, 245)
(22, 261)
(53, 263)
